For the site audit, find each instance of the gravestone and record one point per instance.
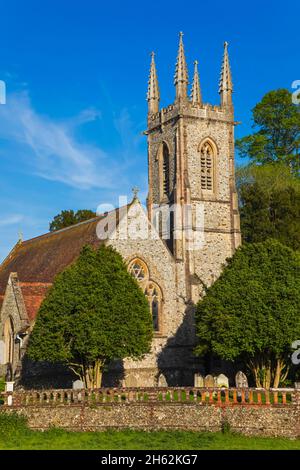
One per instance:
(9, 386)
(209, 381)
(198, 380)
(241, 380)
(78, 385)
(161, 381)
(222, 381)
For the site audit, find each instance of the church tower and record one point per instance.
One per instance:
(191, 172)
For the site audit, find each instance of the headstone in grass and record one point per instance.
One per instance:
(209, 381)
(241, 380)
(78, 385)
(222, 381)
(198, 380)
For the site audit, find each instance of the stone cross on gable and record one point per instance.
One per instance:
(135, 191)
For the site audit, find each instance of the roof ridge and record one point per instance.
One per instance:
(23, 246)
(70, 227)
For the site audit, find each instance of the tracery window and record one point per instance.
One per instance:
(137, 270)
(140, 272)
(153, 295)
(207, 166)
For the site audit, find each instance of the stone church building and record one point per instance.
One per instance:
(190, 165)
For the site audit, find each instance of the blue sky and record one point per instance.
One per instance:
(76, 76)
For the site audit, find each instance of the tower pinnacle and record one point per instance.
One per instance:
(225, 84)
(153, 90)
(181, 73)
(196, 93)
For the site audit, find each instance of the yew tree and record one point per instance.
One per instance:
(251, 312)
(95, 312)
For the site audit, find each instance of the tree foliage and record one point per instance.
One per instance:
(269, 198)
(69, 217)
(277, 138)
(94, 312)
(251, 312)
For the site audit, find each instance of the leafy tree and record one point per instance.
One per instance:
(251, 312)
(94, 312)
(269, 204)
(67, 218)
(278, 136)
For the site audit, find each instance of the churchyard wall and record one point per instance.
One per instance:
(248, 411)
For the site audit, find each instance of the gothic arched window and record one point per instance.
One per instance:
(9, 341)
(153, 295)
(140, 272)
(207, 166)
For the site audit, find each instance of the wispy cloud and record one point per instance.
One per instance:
(51, 148)
(130, 137)
(35, 144)
(11, 220)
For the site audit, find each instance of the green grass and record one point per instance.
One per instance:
(14, 434)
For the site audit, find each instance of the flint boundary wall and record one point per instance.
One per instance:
(249, 411)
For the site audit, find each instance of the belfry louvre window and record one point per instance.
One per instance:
(207, 162)
(166, 170)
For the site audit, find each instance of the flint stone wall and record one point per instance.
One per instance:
(264, 420)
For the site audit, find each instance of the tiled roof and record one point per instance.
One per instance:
(40, 259)
(33, 295)
(36, 262)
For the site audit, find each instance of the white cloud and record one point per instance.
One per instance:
(51, 150)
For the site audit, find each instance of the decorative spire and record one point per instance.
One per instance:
(225, 84)
(181, 74)
(153, 90)
(196, 93)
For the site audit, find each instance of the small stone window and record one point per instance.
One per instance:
(207, 166)
(9, 337)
